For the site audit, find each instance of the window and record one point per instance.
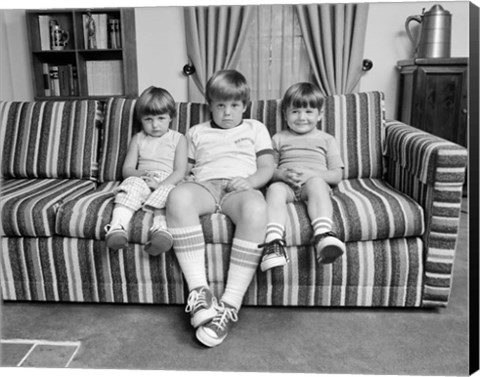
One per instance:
(274, 55)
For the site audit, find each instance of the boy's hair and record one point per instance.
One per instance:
(154, 101)
(303, 94)
(227, 85)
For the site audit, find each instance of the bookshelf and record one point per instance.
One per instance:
(73, 57)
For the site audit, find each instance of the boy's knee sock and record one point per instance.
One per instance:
(189, 247)
(244, 259)
(121, 215)
(275, 231)
(321, 225)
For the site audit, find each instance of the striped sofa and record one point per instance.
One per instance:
(397, 209)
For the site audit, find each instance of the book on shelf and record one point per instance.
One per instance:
(54, 81)
(46, 79)
(59, 80)
(104, 77)
(44, 28)
(114, 37)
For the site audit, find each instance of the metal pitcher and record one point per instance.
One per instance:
(435, 33)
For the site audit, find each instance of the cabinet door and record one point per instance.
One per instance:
(439, 106)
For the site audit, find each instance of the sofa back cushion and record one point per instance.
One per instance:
(49, 139)
(356, 120)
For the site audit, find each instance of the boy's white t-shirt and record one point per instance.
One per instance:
(218, 153)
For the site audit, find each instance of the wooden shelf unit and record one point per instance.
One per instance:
(433, 96)
(123, 59)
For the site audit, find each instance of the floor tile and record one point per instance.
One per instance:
(51, 356)
(13, 353)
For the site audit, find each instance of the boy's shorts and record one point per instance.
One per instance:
(217, 188)
(297, 191)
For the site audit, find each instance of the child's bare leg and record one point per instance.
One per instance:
(185, 204)
(274, 254)
(320, 209)
(278, 194)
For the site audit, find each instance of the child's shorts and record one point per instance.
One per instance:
(217, 188)
(297, 191)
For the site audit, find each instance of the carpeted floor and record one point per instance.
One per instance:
(298, 340)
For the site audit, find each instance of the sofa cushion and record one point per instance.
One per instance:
(49, 139)
(364, 209)
(357, 121)
(29, 206)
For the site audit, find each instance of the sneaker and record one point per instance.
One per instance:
(116, 237)
(274, 255)
(328, 247)
(201, 305)
(215, 332)
(160, 241)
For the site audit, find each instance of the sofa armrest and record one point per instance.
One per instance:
(431, 170)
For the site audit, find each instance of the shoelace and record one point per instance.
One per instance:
(195, 300)
(278, 245)
(224, 316)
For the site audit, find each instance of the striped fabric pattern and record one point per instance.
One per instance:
(80, 270)
(431, 170)
(87, 216)
(49, 139)
(29, 206)
(357, 121)
(364, 209)
(116, 133)
(379, 273)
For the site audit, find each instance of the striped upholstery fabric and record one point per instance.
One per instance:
(357, 122)
(29, 206)
(49, 139)
(431, 170)
(365, 209)
(380, 273)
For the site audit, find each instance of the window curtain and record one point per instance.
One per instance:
(334, 35)
(274, 55)
(215, 36)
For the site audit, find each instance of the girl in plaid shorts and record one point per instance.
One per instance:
(156, 161)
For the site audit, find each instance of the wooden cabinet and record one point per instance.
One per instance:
(433, 96)
(66, 66)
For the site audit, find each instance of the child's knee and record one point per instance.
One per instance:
(254, 209)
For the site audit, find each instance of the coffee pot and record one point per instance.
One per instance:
(435, 33)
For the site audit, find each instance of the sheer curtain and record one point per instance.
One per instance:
(334, 35)
(215, 36)
(274, 55)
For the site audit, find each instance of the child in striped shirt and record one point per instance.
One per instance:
(308, 163)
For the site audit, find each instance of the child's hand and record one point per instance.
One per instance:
(294, 176)
(152, 179)
(238, 184)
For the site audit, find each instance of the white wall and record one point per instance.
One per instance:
(161, 47)
(13, 37)
(387, 42)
